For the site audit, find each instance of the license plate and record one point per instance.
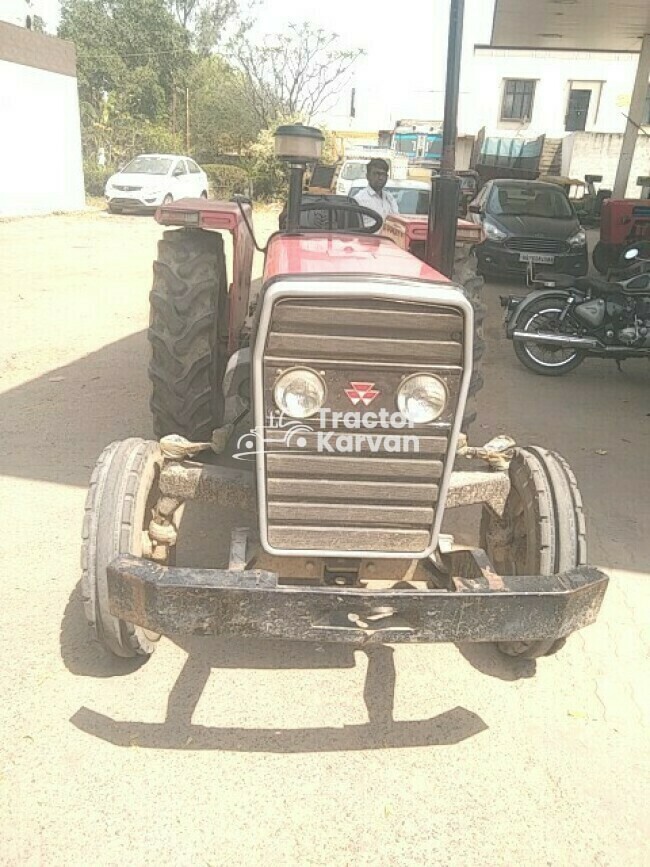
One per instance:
(537, 258)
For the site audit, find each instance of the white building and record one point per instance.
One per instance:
(40, 145)
(550, 91)
(554, 88)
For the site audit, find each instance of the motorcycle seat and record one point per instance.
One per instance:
(555, 281)
(597, 284)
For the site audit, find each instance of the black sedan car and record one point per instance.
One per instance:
(524, 222)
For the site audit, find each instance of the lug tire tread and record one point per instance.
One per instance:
(108, 530)
(555, 526)
(188, 305)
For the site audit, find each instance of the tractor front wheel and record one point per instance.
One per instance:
(123, 492)
(542, 531)
(188, 332)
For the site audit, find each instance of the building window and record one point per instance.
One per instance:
(518, 94)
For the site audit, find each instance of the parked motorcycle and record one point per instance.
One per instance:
(566, 319)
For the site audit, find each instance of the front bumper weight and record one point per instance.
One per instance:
(207, 483)
(224, 486)
(252, 603)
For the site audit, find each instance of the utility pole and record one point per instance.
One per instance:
(634, 120)
(445, 189)
(187, 120)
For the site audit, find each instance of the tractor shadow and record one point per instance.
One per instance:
(204, 542)
(55, 426)
(382, 731)
(489, 660)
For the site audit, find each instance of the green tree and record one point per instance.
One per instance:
(208, 21)
(132, 55)
(220, 120)
(132, 59)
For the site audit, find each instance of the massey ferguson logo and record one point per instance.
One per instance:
(361, 392)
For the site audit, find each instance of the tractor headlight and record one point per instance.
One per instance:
(299, 392)
(422, 398)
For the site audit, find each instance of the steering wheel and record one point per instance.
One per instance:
(328, 205)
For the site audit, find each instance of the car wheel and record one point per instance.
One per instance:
(168, 199)
(204, 194)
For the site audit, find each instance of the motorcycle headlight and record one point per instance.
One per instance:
(493, 232)
(299, 392)
(577, 240)
(422, 397)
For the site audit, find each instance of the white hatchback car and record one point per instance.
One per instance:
(151, 180)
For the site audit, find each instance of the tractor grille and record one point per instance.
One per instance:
(369, 498)
(537, 245)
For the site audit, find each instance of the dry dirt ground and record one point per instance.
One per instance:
(227, 752)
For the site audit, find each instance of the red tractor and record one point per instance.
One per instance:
(343, 386)
(623, 223)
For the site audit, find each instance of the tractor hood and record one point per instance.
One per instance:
(339, 255)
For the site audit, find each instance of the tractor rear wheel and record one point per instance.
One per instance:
(466, 275)
(123, 491)
(188, 332)
(542, 531)
(604, 257)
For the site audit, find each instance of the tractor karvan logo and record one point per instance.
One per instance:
(332, 432)
(362, 392)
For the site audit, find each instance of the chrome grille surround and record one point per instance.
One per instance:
(428, 498)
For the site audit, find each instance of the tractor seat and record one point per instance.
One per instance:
(555, 281)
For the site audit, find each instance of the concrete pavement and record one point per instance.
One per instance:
(221, 752)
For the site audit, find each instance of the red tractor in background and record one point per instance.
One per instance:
(344, 386)
(623, 223)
